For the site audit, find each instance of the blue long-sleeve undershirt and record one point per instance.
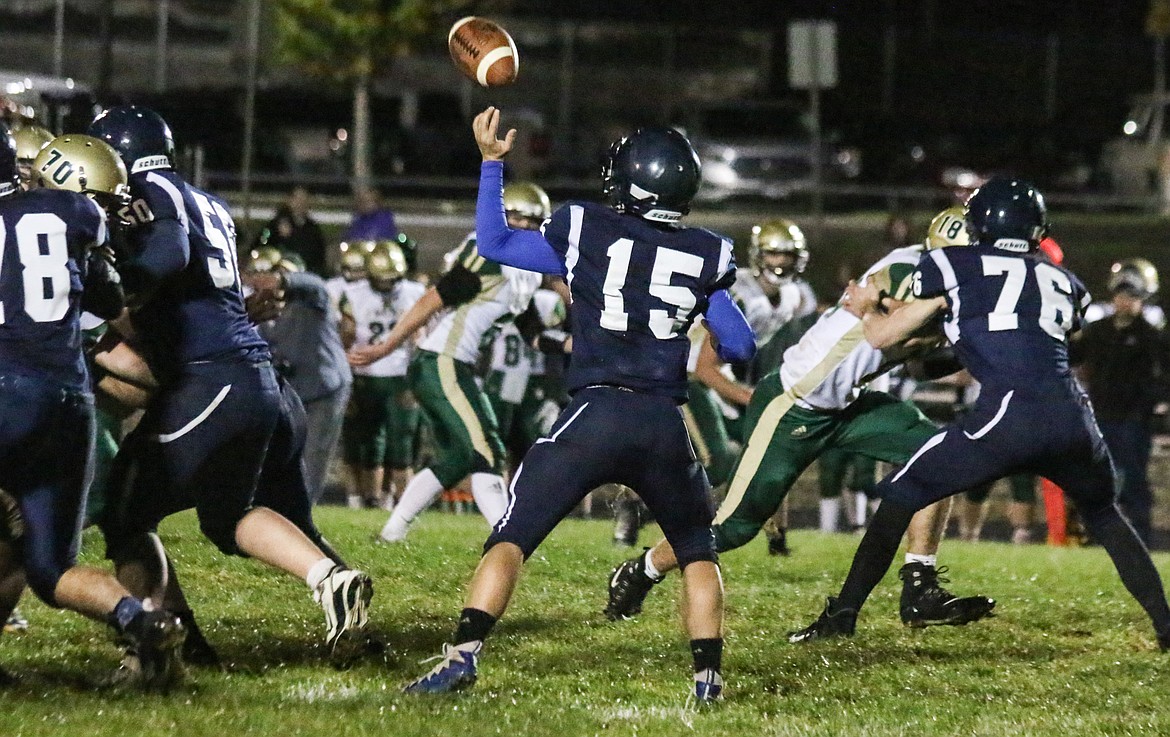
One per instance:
(523, 249)
(737, 340)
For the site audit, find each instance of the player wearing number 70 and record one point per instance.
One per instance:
(202, 440)
(638, 279)
(1007, 312)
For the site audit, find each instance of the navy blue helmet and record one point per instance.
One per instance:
(653, 173)
(9, 176)
(1008, 214)
(139, 135)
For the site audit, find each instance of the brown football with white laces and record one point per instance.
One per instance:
(483, 51)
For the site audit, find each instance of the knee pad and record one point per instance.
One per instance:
(527, 547)
(694, 545)
(222, 534)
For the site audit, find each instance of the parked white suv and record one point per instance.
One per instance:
(760, 149)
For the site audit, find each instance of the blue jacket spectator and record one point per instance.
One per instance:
(372, 220)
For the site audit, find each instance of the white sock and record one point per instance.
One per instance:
(926, 560)
(318, 572)
(419, 494)
(648, 566)
(830, 510)
(861, 503)
(490, 497)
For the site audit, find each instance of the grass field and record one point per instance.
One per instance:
(1069, 653)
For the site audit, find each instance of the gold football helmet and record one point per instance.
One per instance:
(30, 139)
(948, 228)
(265, 259)
(83, 164)
(778, 236)
(1138, 274)
(385, 264)
(353, 262)
(527, 200)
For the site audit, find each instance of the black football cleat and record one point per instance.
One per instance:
(196, 649)
(925, 603)
(628, 587)
(152, 662)
(833, 622)
(778, 542)
(627, 518)
(1164, 641)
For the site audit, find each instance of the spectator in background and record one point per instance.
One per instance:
(292, 229)
(306, 349)
(1125, 362)
(372, 220)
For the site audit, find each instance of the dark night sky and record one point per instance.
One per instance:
(1009, 15)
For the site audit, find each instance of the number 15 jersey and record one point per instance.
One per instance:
(636, 289)
(1009, 315)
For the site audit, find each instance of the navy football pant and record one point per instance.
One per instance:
(283, 486)
(608, 435)
(201, 443)
(46, 463)
(1053, 437)
(1005, 435)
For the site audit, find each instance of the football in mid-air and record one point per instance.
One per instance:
(483, 51)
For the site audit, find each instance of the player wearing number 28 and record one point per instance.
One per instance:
(638, 280)
(1007, 311)
(51, 268)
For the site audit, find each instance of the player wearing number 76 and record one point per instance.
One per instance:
(638, 279)
(1008, 313)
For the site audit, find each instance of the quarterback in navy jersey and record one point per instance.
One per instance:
(638, 279)
(203, 438)
(1007, 311)
(48, 275)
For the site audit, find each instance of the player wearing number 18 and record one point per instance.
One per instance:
(202, 440)
(1007, 311)
(48, 275)
(638, 280)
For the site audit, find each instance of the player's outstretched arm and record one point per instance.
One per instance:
(417, 316)
(522, 249)
(735, 339)
(708, 370)
(883, 330)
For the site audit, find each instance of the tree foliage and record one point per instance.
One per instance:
(346, 40)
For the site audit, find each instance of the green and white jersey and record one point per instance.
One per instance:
(832, 362)
(512, 359)
(504, 293)
(375, 314)
(335, 288)
(796, 299)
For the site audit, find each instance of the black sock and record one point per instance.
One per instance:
(875, 553)
(187, 617)
(708, 654)
(1132, 560)
(474, 624)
